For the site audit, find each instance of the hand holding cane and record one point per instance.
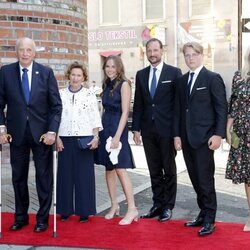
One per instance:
(54, 183)
(9, 138)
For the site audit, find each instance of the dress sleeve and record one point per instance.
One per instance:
(233, 101)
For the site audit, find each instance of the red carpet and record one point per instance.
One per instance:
(146, 234)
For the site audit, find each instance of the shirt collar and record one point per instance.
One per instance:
(197, 70)
(28, 68)
(158, 67)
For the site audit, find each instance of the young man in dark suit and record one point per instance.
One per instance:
(200, 124)
(30, 92)
(153, 120)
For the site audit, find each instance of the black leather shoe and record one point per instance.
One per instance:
(40, 227)
(18, 225)
(207, 228)
(194, 223)
(165, 215)
(153, 212)
(64, 217)
(84, 218)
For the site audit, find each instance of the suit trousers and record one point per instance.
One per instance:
(43, 161)
(201, 167)
(160, 155)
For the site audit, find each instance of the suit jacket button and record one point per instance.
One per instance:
(186, 110)
(153, 105)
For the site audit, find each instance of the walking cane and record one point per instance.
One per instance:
(54, 185)
(54, 234)
(1, 149)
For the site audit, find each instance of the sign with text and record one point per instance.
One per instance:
(125, 37)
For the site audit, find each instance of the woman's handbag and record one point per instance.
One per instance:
(235, 140)
(83, 142)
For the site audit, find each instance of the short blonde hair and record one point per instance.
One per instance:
(194, 45)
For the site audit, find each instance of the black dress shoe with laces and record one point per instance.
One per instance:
(64, 217)
(194, 223)
(153, 212)
(84, 218)
(40, 227)
(165, 215)
(18, 225)
(207, 228)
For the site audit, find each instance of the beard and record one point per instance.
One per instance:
(154, 60)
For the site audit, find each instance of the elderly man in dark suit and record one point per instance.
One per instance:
(153, 114)
(34, 108)
(200, 124)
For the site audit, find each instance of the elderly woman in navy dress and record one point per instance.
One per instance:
(116, 98)
(80, 117)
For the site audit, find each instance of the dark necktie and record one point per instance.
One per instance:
(190, 84)
(153, 83)
(25, 85)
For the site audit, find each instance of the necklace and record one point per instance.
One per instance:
(74, 91)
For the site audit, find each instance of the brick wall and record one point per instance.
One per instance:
(59, 28)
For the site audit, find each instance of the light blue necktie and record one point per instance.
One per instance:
(153, 83)
(25, 85)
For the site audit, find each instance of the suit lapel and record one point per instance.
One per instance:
(35, 75)
(161, 78)
(19, 80)
(198, 80)
(163, 72)
(146, 79)
(184, 87)
(18, 76)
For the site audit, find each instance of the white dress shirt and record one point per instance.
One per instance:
(196, 73)
(80, 114)
(157, 74)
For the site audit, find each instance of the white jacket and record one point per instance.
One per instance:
(80, 113)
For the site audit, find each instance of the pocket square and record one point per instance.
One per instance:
(201, 88)
(167, 81)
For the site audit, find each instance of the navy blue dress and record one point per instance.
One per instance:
(110, 121)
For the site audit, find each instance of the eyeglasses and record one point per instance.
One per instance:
(194, 55)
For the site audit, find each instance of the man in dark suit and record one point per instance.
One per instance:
(153, 120)
(30, 92)
(200, 124)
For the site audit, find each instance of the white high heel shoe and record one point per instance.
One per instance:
(247, 226)
(114, 211)
(131, 215)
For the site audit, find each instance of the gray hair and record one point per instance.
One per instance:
(22, 39)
